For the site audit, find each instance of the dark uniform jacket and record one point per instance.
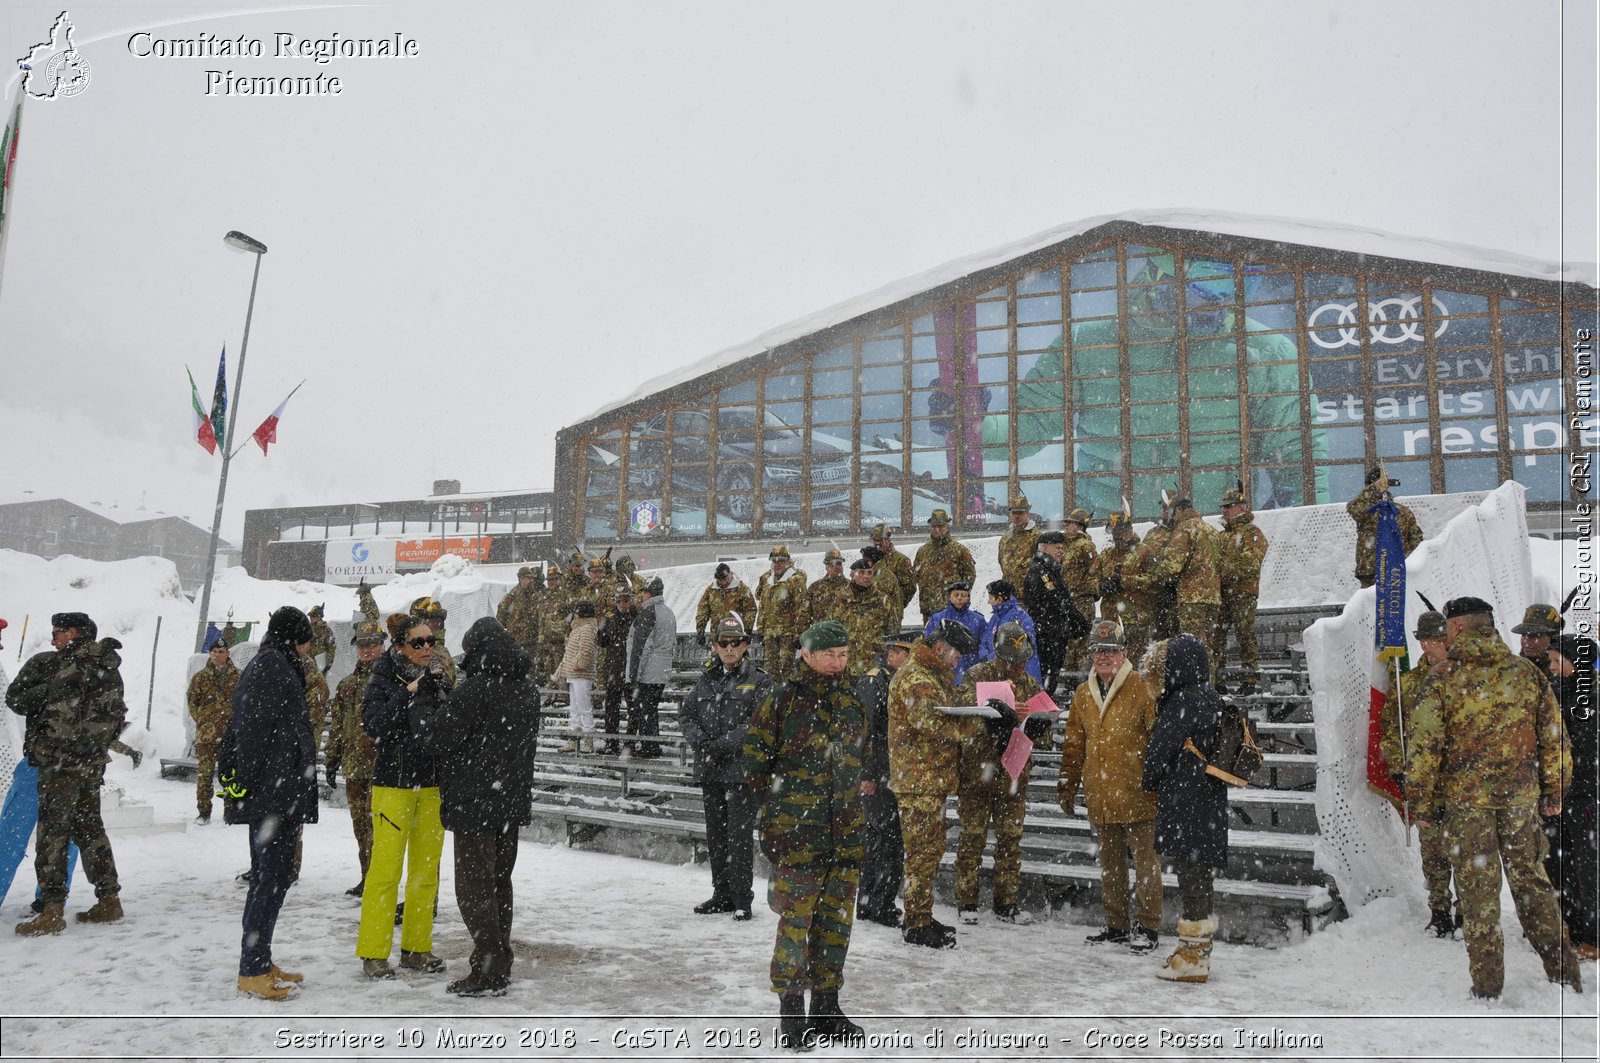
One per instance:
(1191, 806)
(72, 699)
(716, 715)
(872, 689)
(267, 749)
(486, 736)
(401, 725)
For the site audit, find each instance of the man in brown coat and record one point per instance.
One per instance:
(1108, 727)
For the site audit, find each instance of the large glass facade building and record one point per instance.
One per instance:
(1112, 364)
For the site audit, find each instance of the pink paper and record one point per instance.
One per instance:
(1001, 690)
(1015, 758)
(1040, 702)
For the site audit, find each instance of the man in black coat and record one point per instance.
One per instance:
(486, 737)
(714, 718)
(613, 635)
(883, 868)
(267, 761)
(1048, 599)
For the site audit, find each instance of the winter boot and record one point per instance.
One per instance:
(1143, 940)
(587, 745)
(714, 906)
(49, 921)
(933, 935)
(1191, 960)
(357, 889)
(793, 1029)
(968, 914)
(107, 909)
(1441, 925)
(287, 976)
(426, 962)
(743, 915)
(477, 985)
(264, 986)
(1109, 936)
(826, 1018)
(1010, 913)
(376, 969)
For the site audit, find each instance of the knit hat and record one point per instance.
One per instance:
(824, 635)
(290, 625)
(80, 621)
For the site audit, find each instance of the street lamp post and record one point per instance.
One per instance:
(238, 241)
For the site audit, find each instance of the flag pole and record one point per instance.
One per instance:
(243, 243)
(1405, 752)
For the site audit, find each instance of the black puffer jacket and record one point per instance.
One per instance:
(1191, 806)
(401, 725)
(267, 748)
(487, 735)
(715, 717)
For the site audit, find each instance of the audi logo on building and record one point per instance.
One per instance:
(1392, 321)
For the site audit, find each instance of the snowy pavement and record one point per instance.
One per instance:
(612, 964)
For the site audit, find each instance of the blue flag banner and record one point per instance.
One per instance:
(219, 398)
(1390, 586)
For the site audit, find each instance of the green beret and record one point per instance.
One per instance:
(825, 635)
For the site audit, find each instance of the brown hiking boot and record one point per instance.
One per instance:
(49, 921)
(282, 975)
(263, 986)
(107, 909)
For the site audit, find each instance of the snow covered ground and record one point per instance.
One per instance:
(607, 949)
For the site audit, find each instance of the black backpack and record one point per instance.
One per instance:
(1237, 756)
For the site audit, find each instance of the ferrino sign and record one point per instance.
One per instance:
(352, 560)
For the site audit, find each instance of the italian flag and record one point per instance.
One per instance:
(1389, 645)
(268, 430)
(204, 434)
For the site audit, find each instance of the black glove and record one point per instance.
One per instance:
(1000, 728)
(873, 554)
(700, 637)
(1111, 586)
(331, 767)
(1037, 728)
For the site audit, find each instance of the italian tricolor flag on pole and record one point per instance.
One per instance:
(204, 434)
(1389, 645)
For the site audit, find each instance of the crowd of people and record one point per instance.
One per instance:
(841, 746)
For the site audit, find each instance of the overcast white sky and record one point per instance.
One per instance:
(474, 247)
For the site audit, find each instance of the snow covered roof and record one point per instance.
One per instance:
(113, 513)
(1331, 235)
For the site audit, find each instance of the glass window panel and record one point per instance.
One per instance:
(782, 444)
(1101, 494)
(1266, 379)
(1399, 405)
(1147, 488)
(1101, 274)
(1521, 328)
(1038, 337)
(1277, 487)
(1153, 419)
(1045, 497)
(994, 493)
(874, 352)
(922, 324)
(883, 378)
(600, 522)
(1210, 323)
(1206, 383)
(1219, 449)
(922, 433)
(1271, 317)
(1097, 391)
(1268, 288)
(878, 407)
(1282, 443)
(1209, 484)
(1348, 442)
(1345, 481)
(992, 370)
(688, 516)
(996, 399)
(1413, 477)
(691, 446)
(1039, 308)
(1147, 264)
(787, 386)
(1546, 479)
(790, 413)
(644, 479)
(831, 411)
(1525, 364)
(1531, 396)
(1213, 415)
(1319, 285)
(1039, 281)
(1471, 474)
(1196, 267)
(602, 483)
(736, 431)
(993, 293)
(695, 422)
(1220, 352)
(930, 463)
(1161, 453)
(993, 341)
(991, 315)
(1038, 366)
(745, 392)
(689, 481)
(924, 374)
(927, 496)
(836, 382)
(839, 356)
(1039, 445)
(1094, 361)
(1403, 439)
(1464, 302)
(1094, 304)
(880, 503)
(780, 512)
(1160, 354)
(1146, 387)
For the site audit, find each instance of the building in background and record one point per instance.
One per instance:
(1099, 362)
(346, 542)
(52, 527)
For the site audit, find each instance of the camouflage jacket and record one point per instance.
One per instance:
(368, 604)
(716, 603)
(782, 604)
(316, 700)
(604, 596)
(347, 742)
(892, 576)
(210, 698)
(924, 743)
(1241, 547)
(980, 762)
(939, 563)
(1412, 683)
(825, 599)
(1077, 567)
(1127, 605)
(1486, 732)
(519, 613)
(323, 642)
(803, 760)
(866, 618)
(72, 699)
(1189, 559)
(1162, 593)
(1016, 552)
(1367, 528)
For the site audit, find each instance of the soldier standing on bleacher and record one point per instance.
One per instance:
(781, 598)
(1132, 609)
(519, 611)
(210, 700)
(1377, 487)
(1189, 560)
(726, 593)
(1019, 543)
(826, 596)
(715, 718)
(613, 636)
(1241, 548)
(553, 618)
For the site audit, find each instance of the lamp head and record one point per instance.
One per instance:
(244, 244)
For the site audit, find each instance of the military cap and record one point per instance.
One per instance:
(1020, 504)
(1002, 588)
(623, 591)
(1052, 538)
(881, 532)
(959, 638)
(860, 564)
(958, 585)
(597, 564)
(428, 609)
(625, 563)
(551, 572)
(731, 627)
(824, 635)
(316, 610)
(1430, 625)
(655, 587)
(1540, 619)
(63, 621)
(1012, 644)
(576, 560)
(833, 557)
(1467, 606)
(1234, 497)
(367, 633)
(527, 570)
(722, 571)
(1080, 516)
(1182, 504)
(1120, 524)
(1107, 635)
(216, 641)
(897, 642)
(938, 518)
(779, 552)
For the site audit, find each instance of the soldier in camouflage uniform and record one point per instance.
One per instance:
(350, 748)
(940, 562)
(1162, 594)
(781, 613)
(1360, 510)
(1132, 609)
(924, 769)
(322, 641)
(574, 583)
(1540, 623)
(72, 698)
(988, 793)
(210, 701)
(519, 613)
(553, 620)
(1077, 568)
(1019, 543)
(891, 570)
(367, 603)
(1435, 860)
(866, 618)
(1188, 559)
(726, 593)
(627, 575)
(1241, 548)
(803, 760)
(826, 596)
(1489, 745)
(602, 593)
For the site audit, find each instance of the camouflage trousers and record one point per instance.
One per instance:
(1435, 865)
(1478, 841)
(1200, 620)
(779, 659)
(205, 776)
(358, 795)
(981, 804)
(69, 813)
(922, 833)
(1239, 613)
(816, 908)
(1118, 843)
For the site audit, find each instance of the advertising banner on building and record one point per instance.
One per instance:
(349, 561)
(413, 552)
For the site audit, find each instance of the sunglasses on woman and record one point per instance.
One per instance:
(419, 642)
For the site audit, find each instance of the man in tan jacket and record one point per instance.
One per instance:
(1107, 729)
